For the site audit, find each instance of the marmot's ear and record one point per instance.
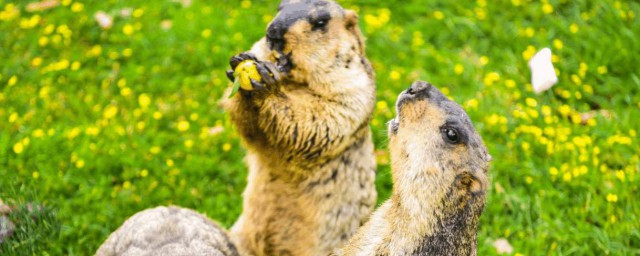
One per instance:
(351, 18)
(283, 3)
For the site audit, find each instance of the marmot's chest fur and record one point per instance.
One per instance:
(439, 166)
(310, 153)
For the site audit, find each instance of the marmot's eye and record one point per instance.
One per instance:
(450, 135)
(320, 23)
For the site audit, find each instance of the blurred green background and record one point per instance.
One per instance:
(99, 123)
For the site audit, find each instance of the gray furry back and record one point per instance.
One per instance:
(168, 231)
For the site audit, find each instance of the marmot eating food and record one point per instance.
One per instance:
(306, 127)
(305, 124)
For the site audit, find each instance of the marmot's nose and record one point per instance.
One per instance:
(275, 36)
(419, 87)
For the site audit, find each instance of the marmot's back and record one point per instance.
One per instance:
(168, 231)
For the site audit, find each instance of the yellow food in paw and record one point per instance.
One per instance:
(245, 71)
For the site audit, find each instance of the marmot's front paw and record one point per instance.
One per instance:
(253, 74)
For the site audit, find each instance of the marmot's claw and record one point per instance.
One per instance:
(257, 85)
(230, 75)
(266, 71)
(235, 60)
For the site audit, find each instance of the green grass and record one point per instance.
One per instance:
(80, 140)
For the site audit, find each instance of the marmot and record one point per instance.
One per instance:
(439, 168)
(310, 152)
(306, 128)
(168, 231)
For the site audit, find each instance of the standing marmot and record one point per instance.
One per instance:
(310, 153)
(439, 165)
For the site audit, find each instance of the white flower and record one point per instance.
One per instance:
(103, 19)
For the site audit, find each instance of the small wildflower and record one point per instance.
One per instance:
(458, 69)
(573, 28)
(144, 173)
(35, 175)
(553, 171)
(77, 7)
(170, 163)
(110, 112)
(438, 15)
(80, 164)
(18, 147)
(183, 125)
(246, 4)
(127, 29)
(558, 44)
(144, 100)
(547, 8)
(12, 81)
(226, 147)
(206, 33)
(612, 198)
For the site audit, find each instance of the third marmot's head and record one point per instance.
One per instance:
(307, 33)
(433, 140)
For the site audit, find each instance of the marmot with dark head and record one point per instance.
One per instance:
(439, 167)
(306, 128)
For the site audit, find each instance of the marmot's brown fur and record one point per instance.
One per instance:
(310, 153)
(439, 167)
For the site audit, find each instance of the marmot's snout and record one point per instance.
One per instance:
(421, 90)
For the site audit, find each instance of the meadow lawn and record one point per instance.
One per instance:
(97, 123)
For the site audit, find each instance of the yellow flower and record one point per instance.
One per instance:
(566, 177)
(612, 198)
(127, 52)
(553, 171)
(18, 147)
(183, 125)
(573, 28)
(13, 117)
(531, 102)
(226, 147)
(110, 112)
(80, 164)
(438, 15)
(144, 173)
(602, 70)
(529, 179)
(529, 52)
(77, 7)
(458, 69)
(394, 75)
(246, 4)
(547, 8)
(155, 150)
(75, 65)
(157, 115)
(170, 162)
(144, 100)
(35, 175)
(558, 44)
(188, 143)
(206, 33)
(137, 13)
(126, 91)
(127, 29)
(484, 60)
(38, 133)
(12, 81)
